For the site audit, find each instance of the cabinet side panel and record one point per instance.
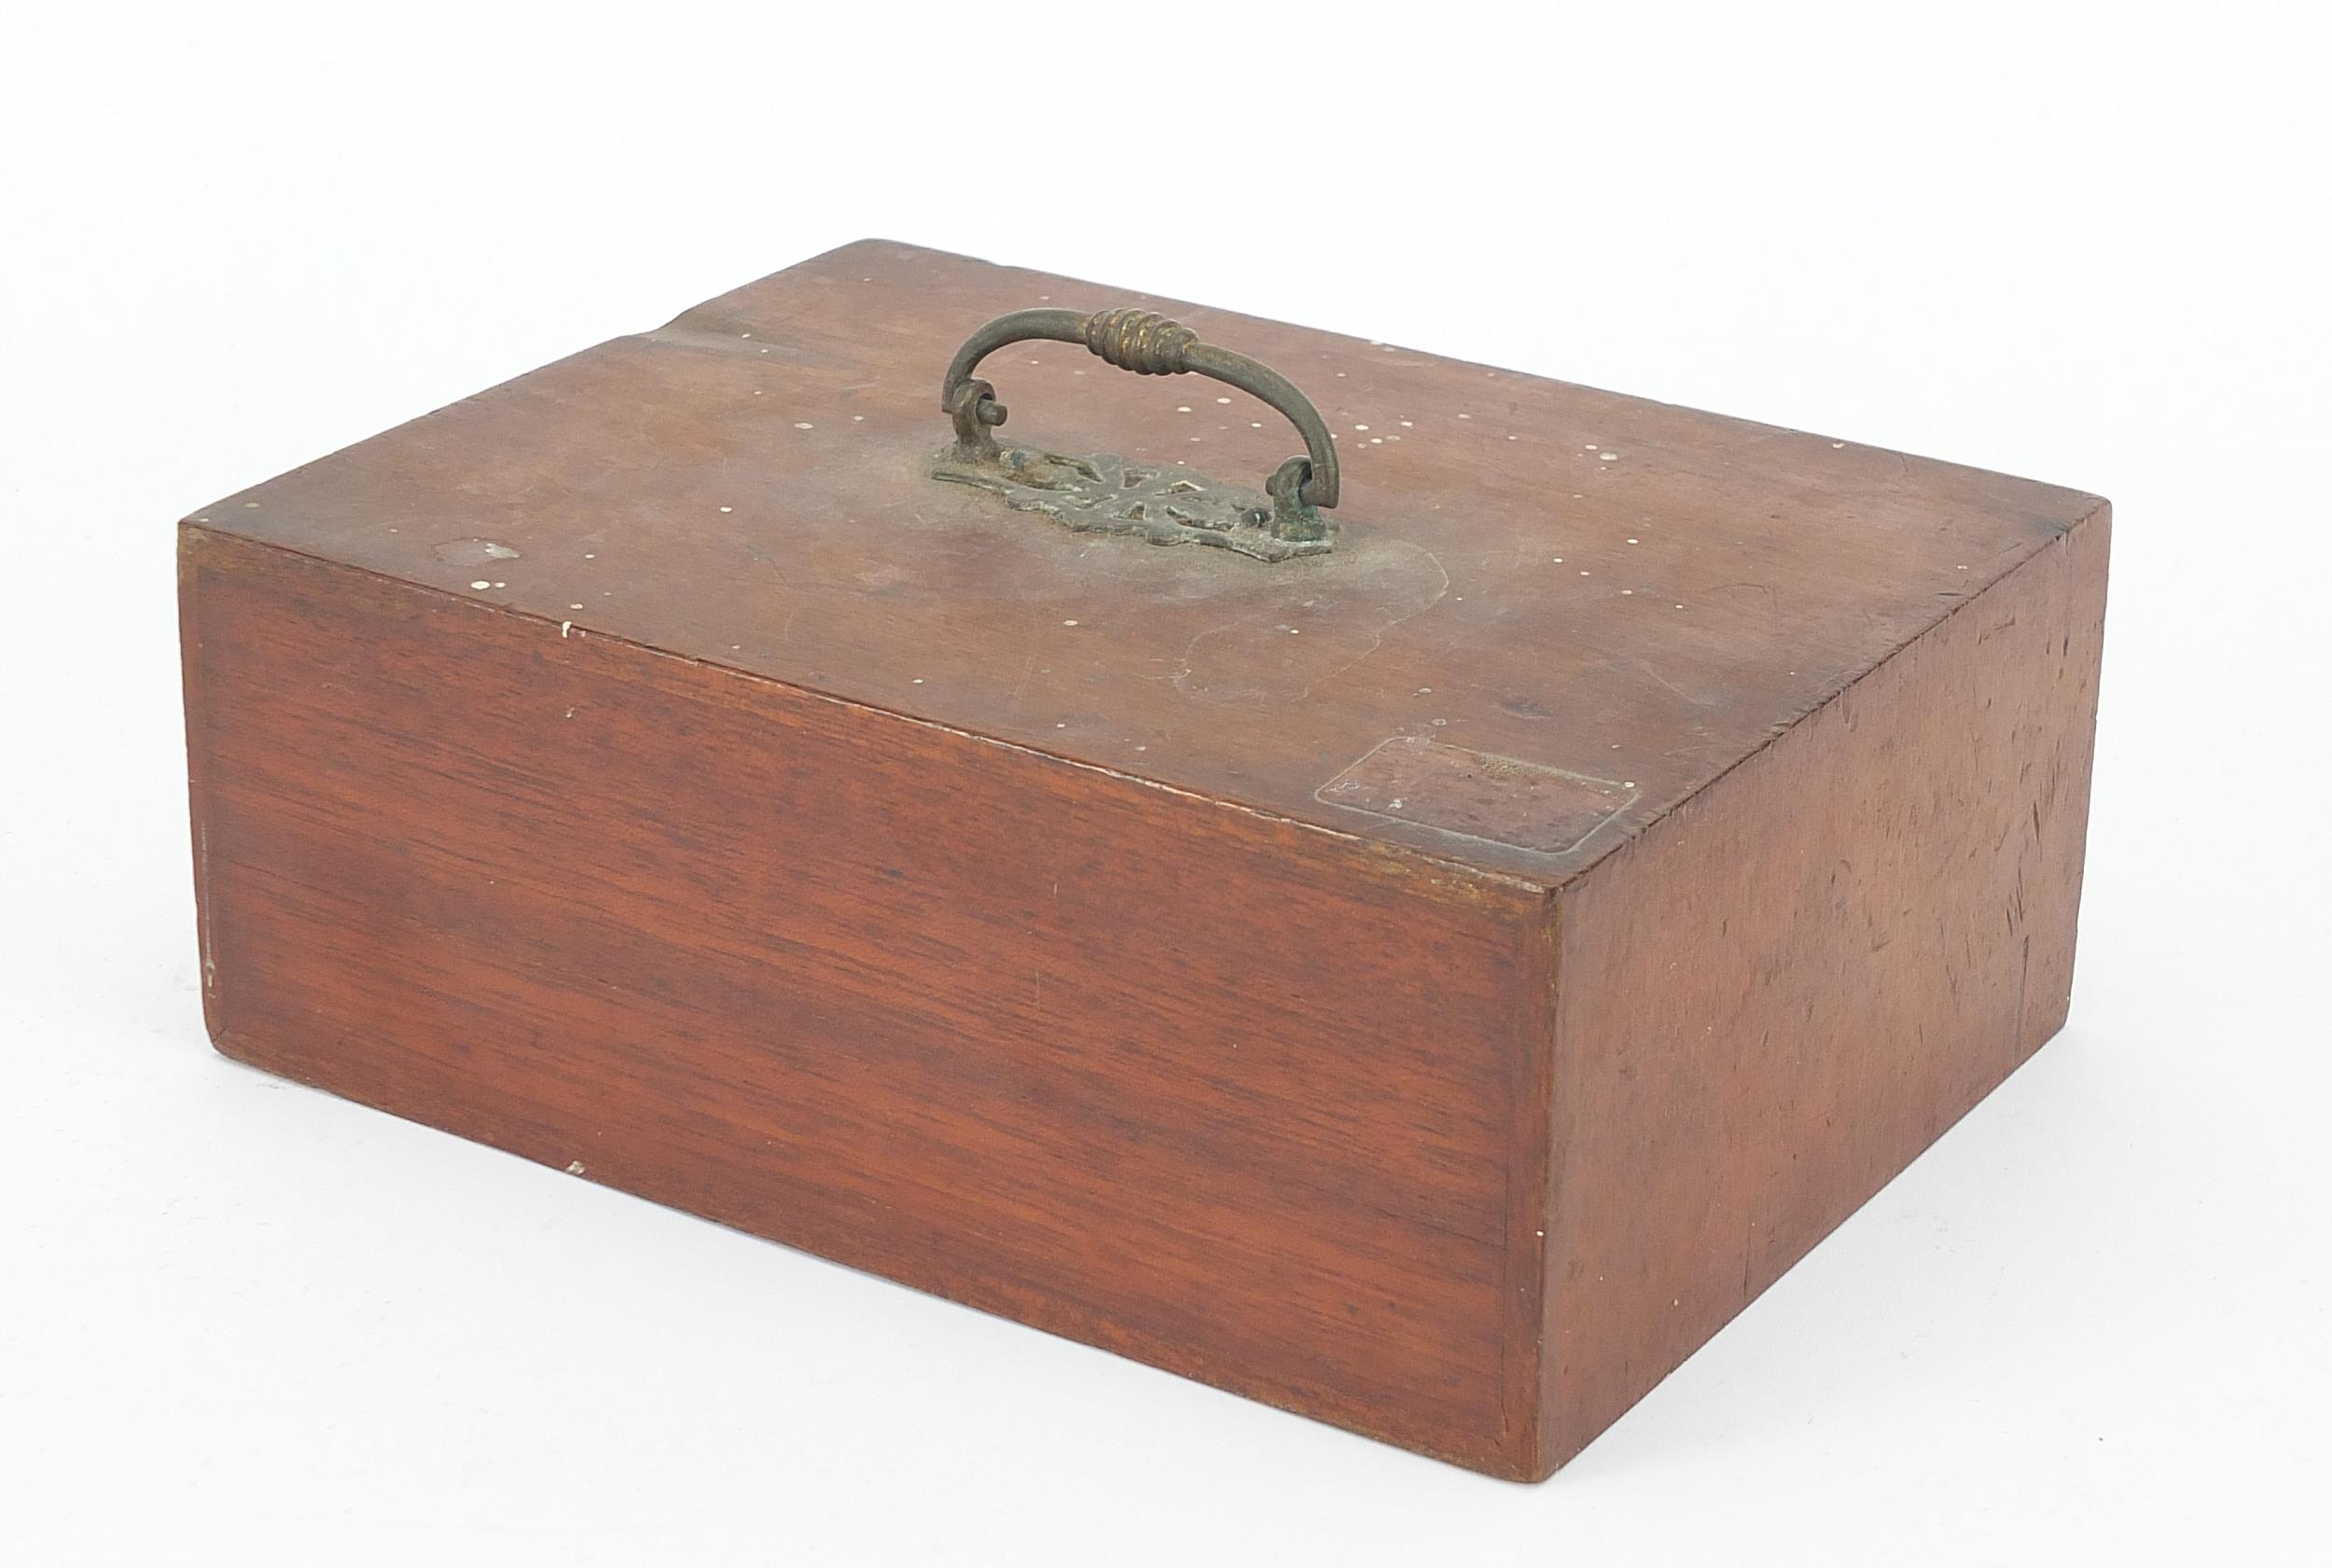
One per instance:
(1227, 1095)
(195, 545)
(1789, 987)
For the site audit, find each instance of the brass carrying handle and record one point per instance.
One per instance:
(1148, 344)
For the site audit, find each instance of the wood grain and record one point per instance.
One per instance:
(1431, 987)
(1227, 1094)
(1774, 1000)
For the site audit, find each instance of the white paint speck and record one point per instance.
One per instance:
(1068, 623)
(918, 680)
(1360, 427)
(565, 627)
(576, 1169)
(1608, 457)
(1635, 541)
(803, 425)
(1376, 440)
(482, 585)
(574, 607)
(1222, 399)
(1182, 409)
(729, 508)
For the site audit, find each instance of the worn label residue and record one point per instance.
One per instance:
(1498, 799)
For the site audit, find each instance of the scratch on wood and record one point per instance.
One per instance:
(1249, 670)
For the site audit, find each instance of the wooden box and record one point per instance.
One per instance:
(1430, 983)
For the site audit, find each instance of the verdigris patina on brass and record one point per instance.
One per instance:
(1163, 503)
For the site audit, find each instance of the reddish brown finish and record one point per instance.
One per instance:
(1415, 987)
(1774, 999)
(1484, 592)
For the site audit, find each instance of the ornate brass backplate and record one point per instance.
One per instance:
(1164, 503)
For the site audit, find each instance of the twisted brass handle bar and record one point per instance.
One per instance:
(1149, 344)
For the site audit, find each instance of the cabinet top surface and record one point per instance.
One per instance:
(1551, 614)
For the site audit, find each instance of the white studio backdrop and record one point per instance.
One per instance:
(241, 1321)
